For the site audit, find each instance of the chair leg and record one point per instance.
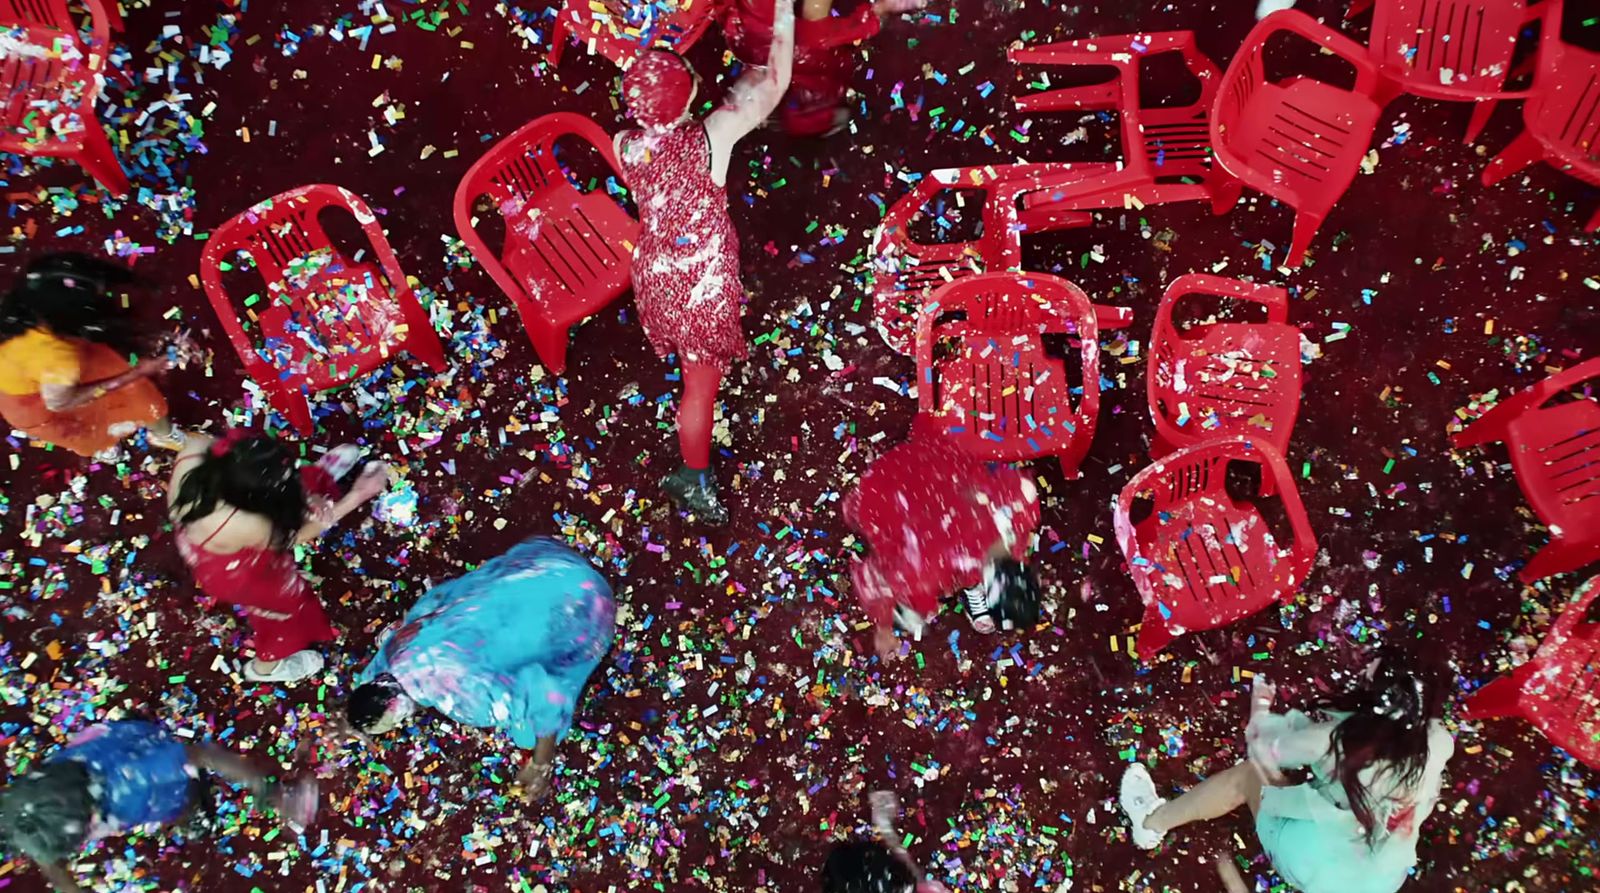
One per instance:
(558, 38)
(291, 403)
(1305, 229)
(1387, 91)
(113, 16)
(1225, 194)
(1594, 222)
(550, 343)
(1482, 111)
(421, 340)
(1154, 635)
(1523, 151)
(99, 161)
(1557, 557)
(1357, 7)
(1499, 698)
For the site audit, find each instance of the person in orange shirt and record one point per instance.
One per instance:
(65, 374)
(823, 59)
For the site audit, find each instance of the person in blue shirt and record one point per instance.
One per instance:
(508, 646)
(117, 777)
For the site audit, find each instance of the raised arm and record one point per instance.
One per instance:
(755, 95)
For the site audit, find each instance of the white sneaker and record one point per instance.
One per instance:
(293, 668)
(1265, 8)
(1138, 801)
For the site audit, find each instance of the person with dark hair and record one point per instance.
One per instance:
(938, 520)
(1376, 756)
(65, 374)
(686, 263)
(240, 507)
(120, 776)
(876, 865)
(824, 58)
(508, 646)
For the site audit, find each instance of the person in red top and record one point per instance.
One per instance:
(686, 264)
(939, 520)
(823, 62)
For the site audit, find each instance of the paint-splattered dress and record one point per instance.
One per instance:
(686, 265)
(507, 646)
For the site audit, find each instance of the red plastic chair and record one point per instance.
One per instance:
(1200, 560)
(327, 319)
(1451, 50)
(908, 271)
(1562, 119)
(566, 253)
(1301, 140)
(1558, 689)
(605, 26)
(1555, 451)
(1001, 396)
(64, 75)
(1227, 378)
(1166, 151)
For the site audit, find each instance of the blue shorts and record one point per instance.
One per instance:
(138, 772)
(1314, 858)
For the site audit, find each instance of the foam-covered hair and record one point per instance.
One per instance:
(658, 88)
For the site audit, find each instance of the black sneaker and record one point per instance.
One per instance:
(695, 492)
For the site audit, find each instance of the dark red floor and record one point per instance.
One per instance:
(737, 726)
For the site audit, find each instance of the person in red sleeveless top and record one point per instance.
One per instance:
(240, 507)
(823, 60)
(939, 520)
(686, 263)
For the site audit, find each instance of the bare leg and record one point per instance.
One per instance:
(815, 10)
(230, 766)
(1210, 799)
(1231, 880)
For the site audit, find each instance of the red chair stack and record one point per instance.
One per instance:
(63, 76)
(1555, 452)
(1558, 689)
(1201, 560)
(566, 253)
(327, 319)
(1301, 140)
(1223, 379)
(999, 393)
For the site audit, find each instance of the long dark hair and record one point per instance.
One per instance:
(865, 866)
(70, 295)
(1387, 729)
(252, 473)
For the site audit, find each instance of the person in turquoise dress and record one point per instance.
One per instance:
(508, 646)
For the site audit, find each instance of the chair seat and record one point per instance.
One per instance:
(1562, 697)
(1211, 563)
(1448, 49)
(1556, 455)
(579, 245)
(1007, 393)
(1236, 379)
(44, 96)
(330, 321)
(1303, 136)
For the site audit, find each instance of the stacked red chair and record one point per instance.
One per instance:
(1201, 560)
(1223, 379)
(1553, 435)
(1561, 121)
(620, 31)
(566, 253)
(984, 373)
(1166, 151)
(64, 75)
(1558, 689)
(324, 319)
(1299, 140)
(908, 271)
(1460, 50)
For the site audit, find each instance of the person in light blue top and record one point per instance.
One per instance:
(508, 646)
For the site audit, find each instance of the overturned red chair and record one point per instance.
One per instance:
(325, 319)
(1221, 379)
(1199, 559)
(1299, 140)
(1555, 451)
(566, 253)
(1561, 122)
(1166, 150)
(907, 270)
(997, 390)
(50, 79)
(1558, 689)
(621, 31)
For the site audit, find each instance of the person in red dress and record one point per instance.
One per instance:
(939, 520)
(823, 61)
(686, 263)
